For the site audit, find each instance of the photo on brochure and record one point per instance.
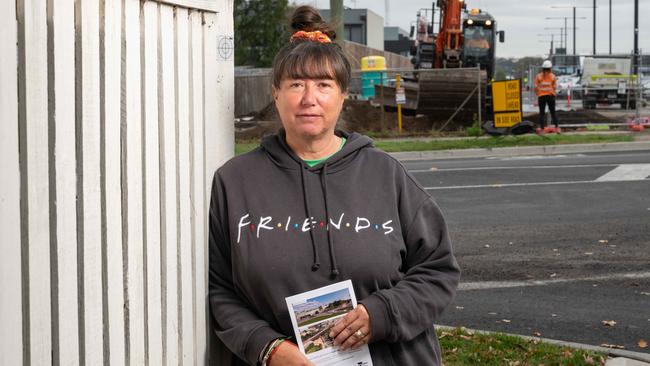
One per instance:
(323, 307)
(314, 313)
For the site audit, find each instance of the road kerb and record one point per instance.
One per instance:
(639, 356)
(522, 150)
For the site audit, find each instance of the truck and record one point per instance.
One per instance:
(608, 81)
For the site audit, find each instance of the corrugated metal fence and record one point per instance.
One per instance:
(114, 114)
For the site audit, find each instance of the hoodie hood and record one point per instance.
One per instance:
(280, 153)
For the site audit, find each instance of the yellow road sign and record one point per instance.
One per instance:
(506, 99)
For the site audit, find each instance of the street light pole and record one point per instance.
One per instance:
(566, 45)
(610, 27)
(594, 27)
(574, 30)
(636, 37)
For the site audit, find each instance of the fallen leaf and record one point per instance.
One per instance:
(460, 307)
(537, 334)
(609, 323)
(642, 343)
(506, 320)
(467, 338)
(615, 346)
(604, 241)
(553, 275)
(589, 360)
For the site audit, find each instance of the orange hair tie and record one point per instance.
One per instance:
(315, 36)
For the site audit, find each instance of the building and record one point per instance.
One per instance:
(361, 26)
(397, 40)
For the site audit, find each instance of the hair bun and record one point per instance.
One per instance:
(307, 18)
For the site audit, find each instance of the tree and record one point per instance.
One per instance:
(499, 75)
(261, 29)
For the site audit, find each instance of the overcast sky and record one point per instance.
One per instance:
(523, 20)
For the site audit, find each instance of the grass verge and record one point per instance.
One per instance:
(461, 347)
(501, 141)
(468, 143)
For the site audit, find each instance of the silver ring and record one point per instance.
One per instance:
(359, 334)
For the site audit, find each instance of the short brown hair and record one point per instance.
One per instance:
(305, 59)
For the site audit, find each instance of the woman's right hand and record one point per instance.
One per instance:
(288, 354)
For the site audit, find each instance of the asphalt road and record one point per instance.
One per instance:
(549, 245)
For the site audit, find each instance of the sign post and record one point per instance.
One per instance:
(400, 98)
(506, 98)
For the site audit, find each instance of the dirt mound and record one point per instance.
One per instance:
(577, 117)
(357, 115)
(362, 116)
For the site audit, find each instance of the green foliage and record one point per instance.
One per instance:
(261, 29)
(475, 130)
(312, 348)
(499, 75)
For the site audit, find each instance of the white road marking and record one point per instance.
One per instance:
(489, 285)
(533, 157)
(504, 185)
(436, 169)
(626, 172)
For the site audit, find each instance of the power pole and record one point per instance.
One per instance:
(336, 8)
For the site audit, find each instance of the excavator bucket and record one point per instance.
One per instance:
(447, 93)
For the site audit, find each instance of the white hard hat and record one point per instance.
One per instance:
(547, 64)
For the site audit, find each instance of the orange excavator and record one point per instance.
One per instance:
(465, 43)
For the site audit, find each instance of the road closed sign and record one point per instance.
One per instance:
(506, 98)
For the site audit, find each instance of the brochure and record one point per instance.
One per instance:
(313, 313)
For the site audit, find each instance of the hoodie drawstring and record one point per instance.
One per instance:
(316, 265)
(334, 271)
(330, 240)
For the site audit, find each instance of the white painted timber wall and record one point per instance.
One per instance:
(114, 115)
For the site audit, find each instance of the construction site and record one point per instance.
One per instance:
(441, 83)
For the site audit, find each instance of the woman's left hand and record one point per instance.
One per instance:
(353, 330)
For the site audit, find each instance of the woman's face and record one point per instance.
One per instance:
(309, 108)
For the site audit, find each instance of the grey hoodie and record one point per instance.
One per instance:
(279, 228)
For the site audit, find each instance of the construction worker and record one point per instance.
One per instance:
(545, 88)
(478, 40)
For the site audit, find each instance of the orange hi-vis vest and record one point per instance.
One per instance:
(545, 84)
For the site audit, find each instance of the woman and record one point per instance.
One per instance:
(313, 206)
